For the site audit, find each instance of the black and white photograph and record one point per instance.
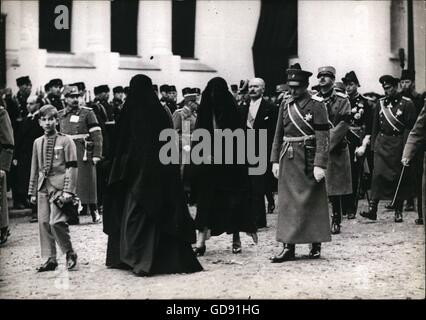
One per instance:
(212, 150)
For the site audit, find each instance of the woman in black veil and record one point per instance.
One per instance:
(222, 189)
(145, 214)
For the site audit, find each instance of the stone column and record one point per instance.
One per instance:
(29, 25)
(79, 26)
(155, 28)
(98, 15)
(12, 9)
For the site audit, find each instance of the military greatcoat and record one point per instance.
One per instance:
(81, 124)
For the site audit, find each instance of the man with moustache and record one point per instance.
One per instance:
(394, 117)
(54, 97)
(259, 114)
(29, 131)
(339, 181)
(358, 138)
(299, 155)
(81, 125)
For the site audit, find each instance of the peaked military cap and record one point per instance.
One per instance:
(172, 89)
(186, 91)
(196, 90)
(327, 70)
(351, 77)
(80, 85)
(388, 79)
(164, 87)
(71, 91)
(118, 89)
(56, 83)
(101, 89)
(23, 80)
(296, 77)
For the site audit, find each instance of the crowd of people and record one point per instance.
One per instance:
(325, 144)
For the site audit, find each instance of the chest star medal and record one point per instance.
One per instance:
(398, 112)
(308, 117)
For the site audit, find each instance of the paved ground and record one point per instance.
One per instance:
(368, 260)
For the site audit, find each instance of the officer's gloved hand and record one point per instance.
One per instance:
(405, 162)
(96, 160)
(360, 151)
(276, 170)
(33, 199)
(319, 173)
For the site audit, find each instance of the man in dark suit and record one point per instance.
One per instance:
(259, 114)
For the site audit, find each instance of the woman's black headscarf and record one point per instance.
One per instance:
(136, 166)
(216, 99)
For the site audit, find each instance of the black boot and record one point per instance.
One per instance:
(398, 216)
(409, 206)
(287, 254)
(315, 252)
(372, 211)
(335, 224)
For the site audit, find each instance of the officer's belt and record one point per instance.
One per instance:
(299, 139)
(78, 136)
(355, 128)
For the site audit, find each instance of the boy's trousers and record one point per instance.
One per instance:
(52, 223)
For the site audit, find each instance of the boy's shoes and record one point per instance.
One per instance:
(96, 218)
(4, 234)
(71, 260)
(33, 219)
(50, 265)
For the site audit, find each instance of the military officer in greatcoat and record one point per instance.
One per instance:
(83, 127)
(358, 138)
(6, 154)
(338, 180)
(16, 107)
(415, 144)
(184, 123)
(299, 159)
(394, 117)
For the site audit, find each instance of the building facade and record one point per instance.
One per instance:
(351, 35)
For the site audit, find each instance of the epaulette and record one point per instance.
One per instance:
(1, 107)
(317, 98)
(382, 98)
(61, 134)
(87, 108)
(406, 98)
(341, 94)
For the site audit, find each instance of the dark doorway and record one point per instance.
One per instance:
(2, 51)
(275, 41)
(124, 26)
(50, 37)
(183, 27)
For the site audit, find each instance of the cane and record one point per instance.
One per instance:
(397, 187)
